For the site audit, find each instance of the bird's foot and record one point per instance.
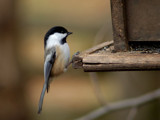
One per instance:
(77, 53)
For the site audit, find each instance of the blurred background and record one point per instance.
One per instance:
(23, 24)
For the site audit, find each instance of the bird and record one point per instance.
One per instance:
(56, 57)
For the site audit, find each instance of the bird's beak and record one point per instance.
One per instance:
(69, 33)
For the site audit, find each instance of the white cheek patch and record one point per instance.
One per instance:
(60, 36)
(55, 39)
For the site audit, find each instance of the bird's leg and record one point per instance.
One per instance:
(72, 58)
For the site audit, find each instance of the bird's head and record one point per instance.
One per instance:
(56, 34)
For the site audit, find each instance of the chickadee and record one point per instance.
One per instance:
(56, 56)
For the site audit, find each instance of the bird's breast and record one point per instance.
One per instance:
(62, 59)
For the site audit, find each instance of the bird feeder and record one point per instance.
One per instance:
(136, 44)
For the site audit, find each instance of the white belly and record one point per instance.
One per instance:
(62, 59)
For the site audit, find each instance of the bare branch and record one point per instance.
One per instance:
(134, 102)
(132, 113)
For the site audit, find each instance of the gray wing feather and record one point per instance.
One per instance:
(49, 61)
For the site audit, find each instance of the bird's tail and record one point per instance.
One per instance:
(41, 98)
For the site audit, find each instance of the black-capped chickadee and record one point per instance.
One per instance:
(56, 56)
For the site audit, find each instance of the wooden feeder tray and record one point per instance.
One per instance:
(136, 35)
(103, 58)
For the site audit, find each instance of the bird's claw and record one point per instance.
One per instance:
(77, 53)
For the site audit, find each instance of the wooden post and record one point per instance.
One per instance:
(119, 25)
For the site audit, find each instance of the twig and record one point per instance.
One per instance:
(132, 113)
(96, 86)
(134, 102)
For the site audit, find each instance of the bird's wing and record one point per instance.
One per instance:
(48, 68)
(49, 61)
